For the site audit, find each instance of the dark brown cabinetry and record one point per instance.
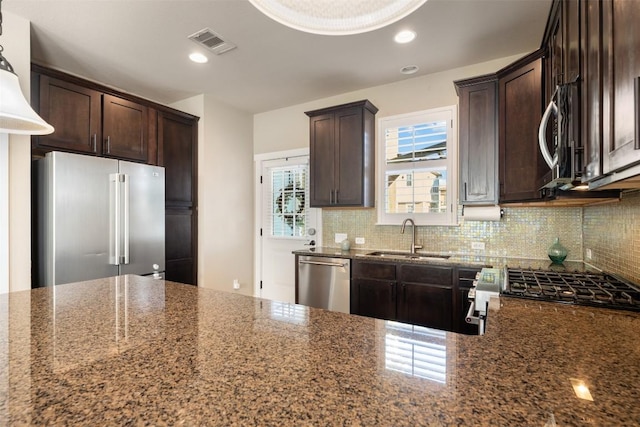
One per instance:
(478, 140)
(177, 152)
(342, 155)
(418, 294)
(373, 289)
(73, 110)
(425, 296)
(591, 88)
(87, 120)
(124, 129)
(521, 165)
(621, 84)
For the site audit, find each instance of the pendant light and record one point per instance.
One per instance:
(16, 115)
(336, 17)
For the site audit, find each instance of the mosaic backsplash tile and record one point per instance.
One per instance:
(612, 232)
(522, 232)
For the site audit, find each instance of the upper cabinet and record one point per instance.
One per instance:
(89, 121)
(621, 84)
(342, 155)
(478, 140)
(124, 128)
(521, 165)
(73, 110)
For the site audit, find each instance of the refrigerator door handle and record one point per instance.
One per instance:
(125, 211)
(114, 230)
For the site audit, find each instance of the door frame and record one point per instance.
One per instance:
(258, 161)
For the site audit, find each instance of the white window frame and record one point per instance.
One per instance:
(449, 217)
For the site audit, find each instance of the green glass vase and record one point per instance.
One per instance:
(557, 253)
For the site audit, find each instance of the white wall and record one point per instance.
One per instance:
(225, 194)
(16, 39)
(415, 94)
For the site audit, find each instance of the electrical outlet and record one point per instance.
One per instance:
(479, 246)
(359, 240)
(588, 254)
(236, 284)
(340, 237)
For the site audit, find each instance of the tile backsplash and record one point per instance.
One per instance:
(522, 232)
(610, 231)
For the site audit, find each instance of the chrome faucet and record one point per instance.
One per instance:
(413, 237)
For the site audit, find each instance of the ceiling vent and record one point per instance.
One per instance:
(212, 41)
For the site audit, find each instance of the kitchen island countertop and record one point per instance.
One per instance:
(135, 351)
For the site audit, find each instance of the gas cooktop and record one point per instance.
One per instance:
(582, 288)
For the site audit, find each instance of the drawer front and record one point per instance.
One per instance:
(373, 270)
(428, 274)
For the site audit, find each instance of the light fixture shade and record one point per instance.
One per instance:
(16, 115)
(336, 17)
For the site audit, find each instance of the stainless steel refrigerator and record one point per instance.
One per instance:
(98, 217)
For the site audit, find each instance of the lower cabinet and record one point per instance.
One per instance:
(373, 289)
(424, 295)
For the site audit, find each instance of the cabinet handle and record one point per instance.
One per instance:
(636, 119)
(465, 192)
(108, 145)
(336, 197)
(330, 197)
(94, 140)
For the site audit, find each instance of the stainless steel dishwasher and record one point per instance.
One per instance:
(324, 283)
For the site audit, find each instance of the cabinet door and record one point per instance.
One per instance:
(591, 88)
(375, 298)
(478, 143)
(621, 84)
(426, 305)
(425, 295)
(348, 158)
(74, 112)
(125, 126)
(177, 152)
(521, 164)
(322, 166)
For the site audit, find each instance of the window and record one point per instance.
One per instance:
(288, 201)
(417, 167)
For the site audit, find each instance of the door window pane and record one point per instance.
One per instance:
(288, 197)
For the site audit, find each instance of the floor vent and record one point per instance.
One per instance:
(212, 41)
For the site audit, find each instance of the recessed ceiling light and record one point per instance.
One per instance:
(409, 69)
(405, 36)
(199, 58)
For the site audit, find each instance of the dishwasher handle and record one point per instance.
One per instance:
(329, 264)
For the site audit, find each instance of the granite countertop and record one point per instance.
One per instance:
(137, 351)
(464, 260)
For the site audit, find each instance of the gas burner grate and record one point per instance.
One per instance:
(595, 289)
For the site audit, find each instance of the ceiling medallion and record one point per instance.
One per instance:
(337, 17)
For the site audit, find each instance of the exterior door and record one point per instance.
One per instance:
(287, 224)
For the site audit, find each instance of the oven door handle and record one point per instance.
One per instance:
(470, 318)
(552, 162)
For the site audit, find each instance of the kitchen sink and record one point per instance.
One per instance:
(409, 255)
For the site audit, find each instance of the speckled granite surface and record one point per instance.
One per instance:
(134, 351)
(454, 259)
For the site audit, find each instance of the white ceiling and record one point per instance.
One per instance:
(141, 46)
